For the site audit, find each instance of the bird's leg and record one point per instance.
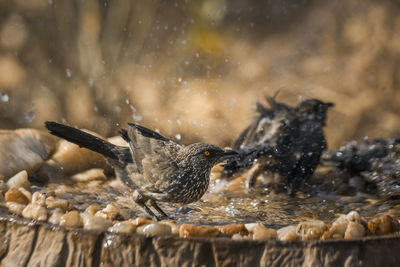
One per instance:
(153, 203)
(155, 217)
(254, 172)
(140, 200)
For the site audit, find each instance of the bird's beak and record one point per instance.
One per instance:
(228, 153)
(329, 104)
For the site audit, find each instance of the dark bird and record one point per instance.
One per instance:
(155, 167)
(282, 139)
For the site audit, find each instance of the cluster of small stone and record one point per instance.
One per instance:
(45, 207)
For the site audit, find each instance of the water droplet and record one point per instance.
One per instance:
(68, 72)
(140, 22)
(50, 2)
(29, 116)
(137, 117)
(132, 108)
(117, 109)
(90, 82)
(96, 108)
(178, 137)
(157, 130)
(4, 97)
(127, 101)
(178, 122)
(183, 42)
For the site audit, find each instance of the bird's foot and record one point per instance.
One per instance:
(153, 203)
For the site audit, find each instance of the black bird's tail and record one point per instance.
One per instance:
(83, 139)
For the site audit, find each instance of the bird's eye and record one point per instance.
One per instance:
(207, 153)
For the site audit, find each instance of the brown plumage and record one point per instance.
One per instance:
(155, 167)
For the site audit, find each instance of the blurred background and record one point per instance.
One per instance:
(194, 69)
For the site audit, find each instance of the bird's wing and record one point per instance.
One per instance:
(153, 154)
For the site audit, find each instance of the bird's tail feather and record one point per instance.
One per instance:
(83, 139)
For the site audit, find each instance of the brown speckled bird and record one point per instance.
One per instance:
(155, 167)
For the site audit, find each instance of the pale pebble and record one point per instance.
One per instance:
(35, 211)
(260, 232)
(53, 203)
(92, 209)
(16, 208)
(250, 226)
(383, 225)
(154, 229)
(354, 230)
(174, 226)
(26, 193)
(39, 198)
(89, 175)
(125, 227)
(231, 229)
(55, 216)
(288, 233)
(140, 221)
(71, 219)
(311, 230)
(15, 195)
(188, 230)
(95, 223)
(19, 180)
(109, 212)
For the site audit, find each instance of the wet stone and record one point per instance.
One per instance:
(35, 212)
(383, 225)
(174, 226)
(92, 209)
(311, 230)
(39, 198)
(288, 233)
(55, 216)
(154, 229)
(71, 219)
(188, 230)
(95, 223)
(231, 229)
(354, 231)
(26, 193)
(53, 203)
(260, 232)
(16, 196)
(15, 208)
(19, 180)
(140, 221)
(89, 175)
(109, 212)
(125, 227)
